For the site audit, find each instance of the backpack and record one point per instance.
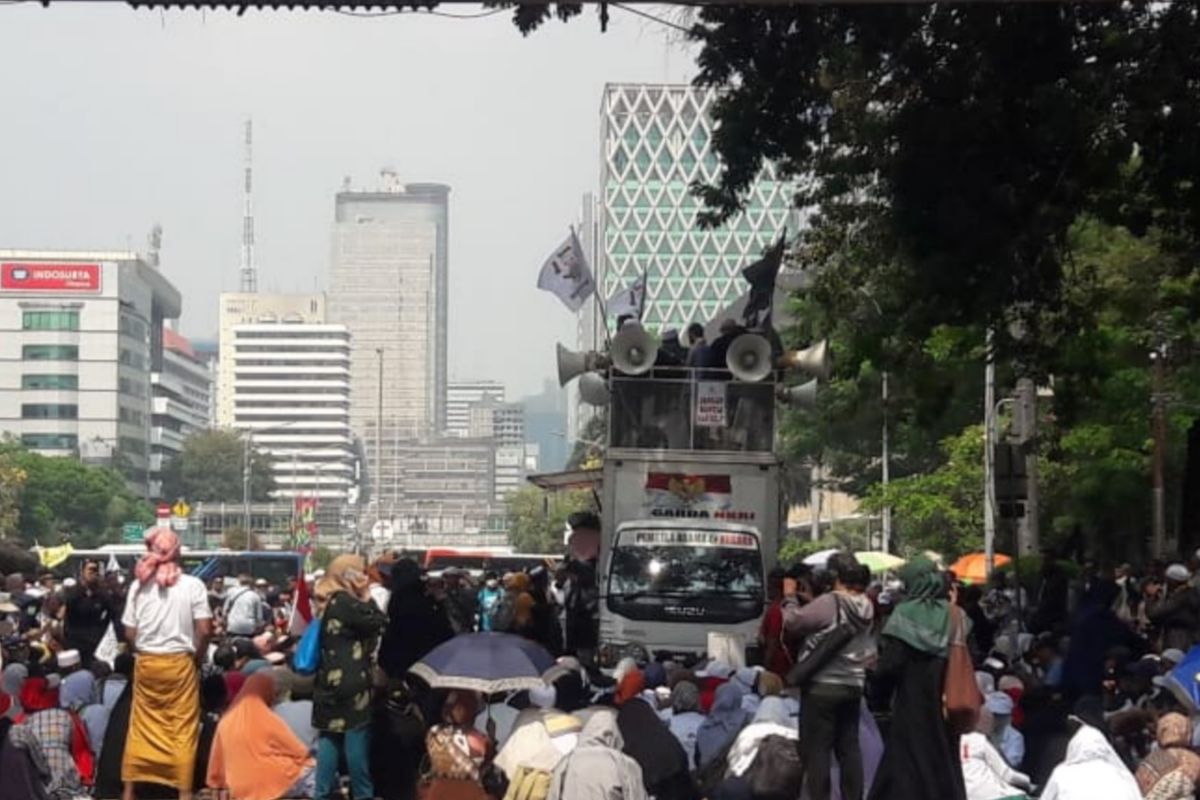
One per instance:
(528, 784)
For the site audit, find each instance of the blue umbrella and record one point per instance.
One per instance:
(1184, 680)
(485, 662)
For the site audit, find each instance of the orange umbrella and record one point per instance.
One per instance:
(972, 568)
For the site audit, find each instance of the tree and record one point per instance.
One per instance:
(209, 469)
(236, 538)
(63, 500)
(940, 510)
(538, 518)
(12, 483)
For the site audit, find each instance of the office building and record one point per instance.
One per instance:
(285, 382)
(80, 334)
(207, 351)
(181, 404)
(461, 396)
(656, 141)
(388, 285)
(546, 425)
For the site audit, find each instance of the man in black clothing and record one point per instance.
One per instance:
(730, 330)
(697, 347)
(89, 612)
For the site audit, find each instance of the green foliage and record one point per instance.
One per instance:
(236, 538)
(63, 500)
(321, 557)
(12, 483)
(209, 469)
(538, 518)
(940, 510)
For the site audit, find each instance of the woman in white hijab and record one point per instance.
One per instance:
(771, 719)
(1091, 770)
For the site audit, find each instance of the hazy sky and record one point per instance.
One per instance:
(114, 119)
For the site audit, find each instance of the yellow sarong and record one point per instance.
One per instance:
(164, 724)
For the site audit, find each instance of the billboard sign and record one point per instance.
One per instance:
(44, 276)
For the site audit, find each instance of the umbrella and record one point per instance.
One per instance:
(972, 568)
(819, 559)
(486, 663)
(878, 561)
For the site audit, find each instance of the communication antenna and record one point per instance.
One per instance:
(249, 274)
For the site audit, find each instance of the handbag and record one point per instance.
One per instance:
(777, 769)
(961, 698)
(822, 647)
(308, 651)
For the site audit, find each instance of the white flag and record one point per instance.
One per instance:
(630, 301)
(566, 274)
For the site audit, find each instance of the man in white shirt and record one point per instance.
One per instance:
(986, 774)
(168, 620)
(244, 609)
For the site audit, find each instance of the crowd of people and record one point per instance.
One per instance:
(154, 684)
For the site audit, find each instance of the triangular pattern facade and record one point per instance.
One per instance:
(656, 141)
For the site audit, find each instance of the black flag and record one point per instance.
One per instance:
(761, 277)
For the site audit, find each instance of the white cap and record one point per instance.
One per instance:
(69, 583)
(275, 657)
(1000, 704)
(1173, 654)
(261, 582)
(985, 682)
(69, 658)
(1178, 573)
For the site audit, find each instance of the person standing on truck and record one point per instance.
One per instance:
(830, 669)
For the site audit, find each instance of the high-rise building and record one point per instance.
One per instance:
(546, 425)
(389, 287)
(656, 140)
(285, 382)
(461, 396)
(80, 334)
(181, 399)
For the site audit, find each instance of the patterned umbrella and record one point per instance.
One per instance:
(486, 663)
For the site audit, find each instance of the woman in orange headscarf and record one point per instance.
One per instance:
(255, 755)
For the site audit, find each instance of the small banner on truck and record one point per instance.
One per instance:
(740, 541)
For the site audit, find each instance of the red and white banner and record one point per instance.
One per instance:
(676, 491)
(34, 276)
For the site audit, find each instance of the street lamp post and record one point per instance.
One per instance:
(884, 438)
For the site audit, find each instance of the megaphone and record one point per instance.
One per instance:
(634, 349)
(802, 396)
(572, 364)
(593, 389)
(749, 357)
(813, 360)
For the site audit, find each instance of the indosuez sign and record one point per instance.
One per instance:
(47, 276)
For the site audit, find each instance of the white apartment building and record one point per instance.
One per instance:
(181, 404)
(286, 384)
(80, 334)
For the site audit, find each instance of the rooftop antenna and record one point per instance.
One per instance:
(249, 274)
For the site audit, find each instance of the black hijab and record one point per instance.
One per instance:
(656, 750)
(415, 624)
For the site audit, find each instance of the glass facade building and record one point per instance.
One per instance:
(656, 141)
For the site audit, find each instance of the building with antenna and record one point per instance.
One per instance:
(80, 334)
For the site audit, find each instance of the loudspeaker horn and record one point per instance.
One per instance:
(802, 396)
(814, 360)
(634, 349)
(572, 364)
(749, 357)
(593, 389)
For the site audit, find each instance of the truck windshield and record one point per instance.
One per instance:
(694, 564)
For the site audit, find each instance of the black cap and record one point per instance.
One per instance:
(244, 648)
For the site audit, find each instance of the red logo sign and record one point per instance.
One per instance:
(35, 276)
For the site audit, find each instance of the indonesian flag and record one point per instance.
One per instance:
(301, 608)
(677, 491)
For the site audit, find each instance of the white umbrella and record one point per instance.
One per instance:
(819, 558)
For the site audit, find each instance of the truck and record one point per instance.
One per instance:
(691, 512)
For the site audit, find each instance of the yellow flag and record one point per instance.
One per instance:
(51, 557)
